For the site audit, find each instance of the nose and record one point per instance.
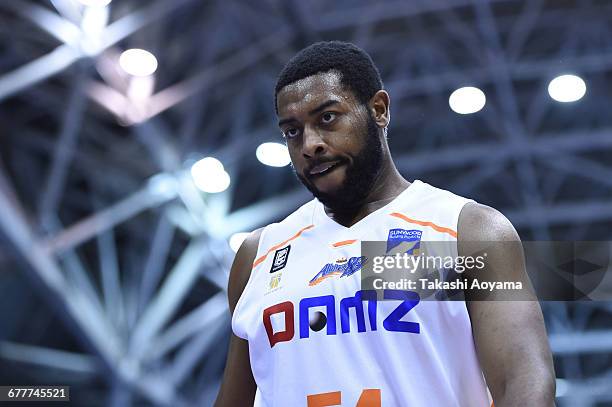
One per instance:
(313, 144)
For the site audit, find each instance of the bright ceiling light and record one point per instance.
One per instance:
(95, 3)
(209, 175)
(138, 62)
(235, 241)
(273, 154)
(467, 100)
(213, 183)
(206, 165)
(567, 88)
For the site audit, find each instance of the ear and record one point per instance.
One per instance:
(379, 108)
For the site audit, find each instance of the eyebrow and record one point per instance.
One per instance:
(314, 111)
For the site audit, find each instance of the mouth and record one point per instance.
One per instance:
(324, 168)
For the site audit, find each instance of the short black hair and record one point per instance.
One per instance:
(357, 70)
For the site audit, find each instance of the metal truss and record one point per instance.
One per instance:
(98, 211)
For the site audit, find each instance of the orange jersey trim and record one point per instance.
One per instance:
(281, 244)
(318, 280)
(344, 243)
(432, 225)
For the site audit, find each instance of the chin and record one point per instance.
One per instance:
(339, 200)
(338, 197)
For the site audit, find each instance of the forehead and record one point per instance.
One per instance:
(311, 91)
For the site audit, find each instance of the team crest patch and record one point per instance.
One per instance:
(410, 240)
(280, 259)
(341, 267)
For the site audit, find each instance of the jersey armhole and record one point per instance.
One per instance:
(245, 289)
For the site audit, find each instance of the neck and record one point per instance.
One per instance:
(387, 186)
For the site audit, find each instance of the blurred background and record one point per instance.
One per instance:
(133, 155)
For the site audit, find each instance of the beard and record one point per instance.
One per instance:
(360, 176)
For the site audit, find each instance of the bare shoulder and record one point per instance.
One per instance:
(479, 222)
(478, 227)
(242, 266)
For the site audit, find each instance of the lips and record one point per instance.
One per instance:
(323, 168)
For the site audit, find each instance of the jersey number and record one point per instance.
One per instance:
(368, 398)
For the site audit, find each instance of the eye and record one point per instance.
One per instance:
(291, 132)
(328, 117)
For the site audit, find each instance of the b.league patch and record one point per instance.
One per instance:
(280, 259)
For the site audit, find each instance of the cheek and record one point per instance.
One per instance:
(351, 138)
(295, 157)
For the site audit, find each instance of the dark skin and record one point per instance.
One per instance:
(322, 121)
(510, 337)
(305, 109)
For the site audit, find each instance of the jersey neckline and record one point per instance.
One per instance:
(320, 217)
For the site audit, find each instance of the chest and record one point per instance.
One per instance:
(320, 273)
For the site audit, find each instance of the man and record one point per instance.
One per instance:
(299, 314)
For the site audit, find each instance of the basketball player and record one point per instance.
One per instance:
(305, 334)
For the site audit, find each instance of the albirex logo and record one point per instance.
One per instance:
(399, 236)
(392, 322)
(342, 267)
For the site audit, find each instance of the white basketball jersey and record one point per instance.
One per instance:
(359, 352)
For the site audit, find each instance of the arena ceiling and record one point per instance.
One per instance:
(99, 217)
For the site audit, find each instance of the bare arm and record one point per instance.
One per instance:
(510, 336)
(238, 386)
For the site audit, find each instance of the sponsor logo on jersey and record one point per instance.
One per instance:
(280, 259)
(275, 281)
(394, 321)
(409, 240)
(341, 267)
